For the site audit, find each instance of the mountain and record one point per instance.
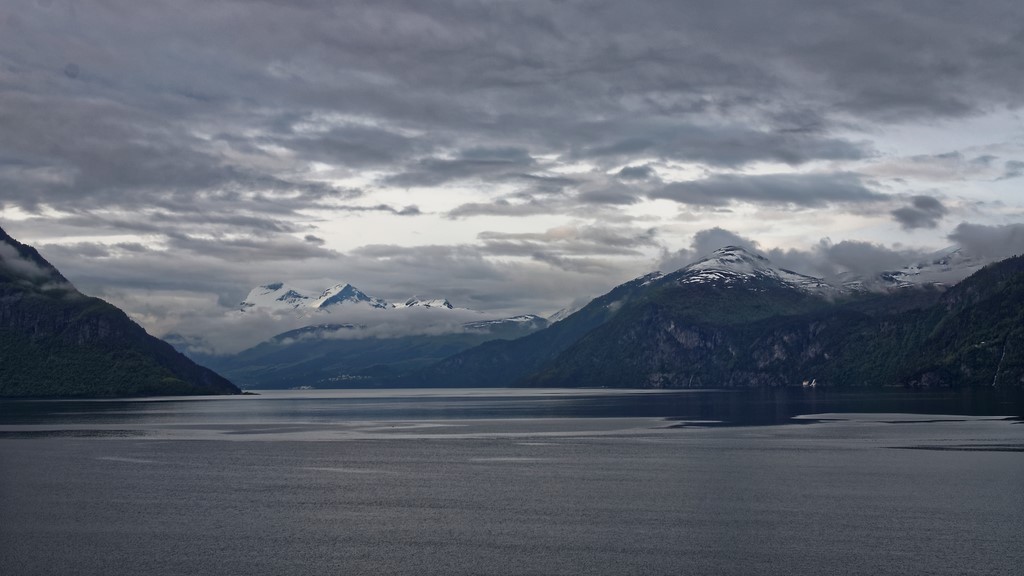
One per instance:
(733, 319)
(975, 335)
(349, 355)
(735, 265)
(341, 294)
(970, 335)
(415, 302)
(731, 285)
(55, 341)
(342, 297)
(506, 362)
(943, 268)
(278, 296)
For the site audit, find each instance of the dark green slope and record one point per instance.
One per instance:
(689, 335)
(507, 362)
(55, 341)
(973, 335)
(337, 356)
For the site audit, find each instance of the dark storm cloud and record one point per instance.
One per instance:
(723, 144)
(709, 240)
(540, 283)
(507, 76)
(1013, 169)
(351, 146)
(923, 212)
(159, 223)
(997, 241)
(576, 265)
(704, 243)
(795, 189)
(637, 173)
(211, 126)
(474, 163)
(248, 249)
(501, 207)
(542, 184)
(569, 241)
(410, 210)
(609, 195)
(832, 261)
(246, 93)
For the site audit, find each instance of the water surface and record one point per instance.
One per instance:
(514, 482)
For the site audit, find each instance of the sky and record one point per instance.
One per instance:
(511, 156)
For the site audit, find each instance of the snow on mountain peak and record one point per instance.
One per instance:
(442, 303)
(943, 268)
(732, 264)
(280, 297)
(275, 296)
(346, 293)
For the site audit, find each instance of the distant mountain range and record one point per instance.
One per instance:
(735, 320)
(280, 297)
(349, 355)
(731, 319)
(943, 269)
(352, 339)
(55, 341)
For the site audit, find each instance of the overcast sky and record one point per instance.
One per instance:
(512, 156)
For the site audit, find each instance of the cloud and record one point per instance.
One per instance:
(616, 196)
(954, 166)
(411, 210)
(637, 173)
(501, 207)
(519, 282)
(1012, 169)
(248, 249)
(193, 146)
(804, 190)
(11, 259)
(569, 240)
(723, 144)
(472, 163)
(990, 241)
(923, 212)
(824, 260)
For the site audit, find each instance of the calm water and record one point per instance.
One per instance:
(515, 482)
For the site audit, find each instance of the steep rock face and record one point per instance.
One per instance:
(507, 362)
(973, 335)
(55, 341)
(349, 355)
(735, 320)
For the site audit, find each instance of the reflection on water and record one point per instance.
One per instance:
(692, 407)
(514, 482)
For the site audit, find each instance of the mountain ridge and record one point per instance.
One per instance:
(56, 341)
(733, 320)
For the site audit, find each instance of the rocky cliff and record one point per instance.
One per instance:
(56, 341)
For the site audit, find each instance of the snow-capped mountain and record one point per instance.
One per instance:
(340, 294)
(563, 314)
(434, 303)
(276, 296)
(733, 265)
(279, 297)
(944, 268)
(523, 320)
